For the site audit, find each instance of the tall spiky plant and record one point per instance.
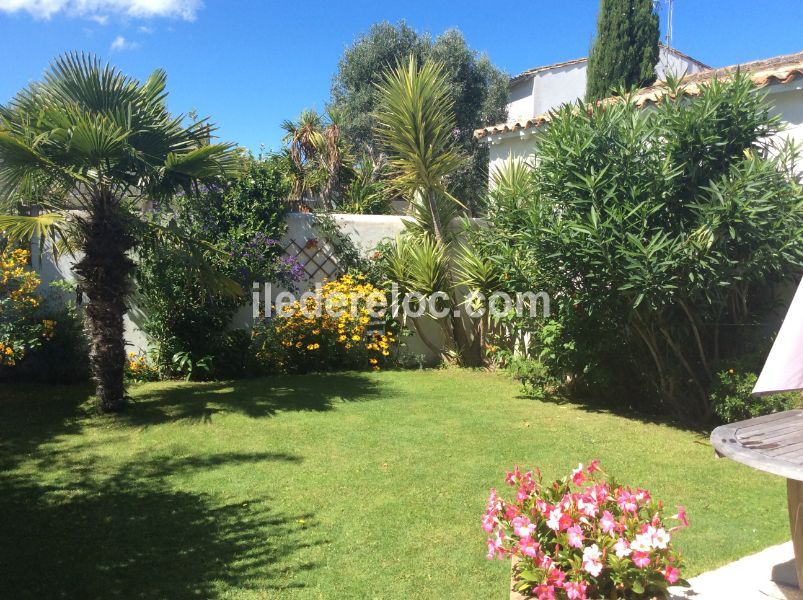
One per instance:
(416, 124)
(87, 147)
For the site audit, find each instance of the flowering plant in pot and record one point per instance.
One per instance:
(584, 536)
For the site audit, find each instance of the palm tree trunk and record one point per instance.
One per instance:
(104, 273)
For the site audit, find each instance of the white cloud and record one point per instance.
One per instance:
(120, 43)
(99, 19)
(99, 9)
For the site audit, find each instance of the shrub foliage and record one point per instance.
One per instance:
(658, 233)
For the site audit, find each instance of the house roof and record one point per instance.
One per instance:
(568, 63)
(777, 70)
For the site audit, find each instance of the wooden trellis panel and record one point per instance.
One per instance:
(318, 259)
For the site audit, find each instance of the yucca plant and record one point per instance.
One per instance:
(417, 127)
(416, 124)
(84, 152)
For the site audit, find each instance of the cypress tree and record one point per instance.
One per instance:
(625, 50)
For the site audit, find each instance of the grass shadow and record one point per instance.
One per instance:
(625, 407)
(254, 397)
(132, 536)
(33, 414)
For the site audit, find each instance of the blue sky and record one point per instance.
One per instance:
(251, 63)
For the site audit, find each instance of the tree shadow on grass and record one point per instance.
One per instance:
(254, 397)
(133, 536)
(629, 408)
(32, 414)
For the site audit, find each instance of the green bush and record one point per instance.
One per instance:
(732, 399)
(183, 317)
(60, 353)
(659, 235)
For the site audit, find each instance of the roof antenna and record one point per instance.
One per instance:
(669, 6)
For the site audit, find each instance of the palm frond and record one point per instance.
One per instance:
(416, 124)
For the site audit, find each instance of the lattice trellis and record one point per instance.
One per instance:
(318, 259)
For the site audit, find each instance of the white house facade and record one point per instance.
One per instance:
(537, 91)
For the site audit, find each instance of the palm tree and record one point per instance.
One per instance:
(318, 155)
(90, 147)
(416, 124)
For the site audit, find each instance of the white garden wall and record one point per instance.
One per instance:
(366, 231)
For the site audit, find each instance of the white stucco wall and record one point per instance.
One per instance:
(51, 270)
(519, 144)
(669, 62)
(520, 100)
(549, 88)
(786, 100)
(558, 86)
(365, 230)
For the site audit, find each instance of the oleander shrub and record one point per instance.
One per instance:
(660, 235)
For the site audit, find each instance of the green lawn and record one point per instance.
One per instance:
(324, 486)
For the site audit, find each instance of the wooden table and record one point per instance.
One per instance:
(773, 443)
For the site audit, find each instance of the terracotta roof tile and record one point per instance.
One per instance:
(777, 70)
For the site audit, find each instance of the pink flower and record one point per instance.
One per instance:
(591, 560)
(575, 536)
(489, 522)
(493, 499)
(529, 547)
(622, 548)
(642, 496)
(522, 494)
(607, 523)
(512, 477)
(495, 549)
(627, 501)
(578, 476)
(522, 527)
(660, 539)
(553, 522)
(593, 466)
(556, 577)
(681, 516)
(575, 590)
(641, 559)
(544, 592)
(642, 543)
(587, 506)
(511, 510)
(671, 574)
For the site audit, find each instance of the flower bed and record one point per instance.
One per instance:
(583, 537)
